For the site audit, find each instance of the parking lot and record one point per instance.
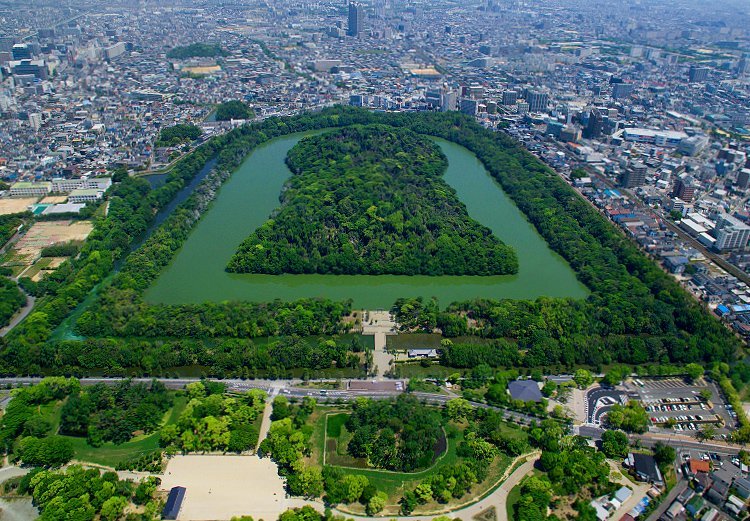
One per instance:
(674, 405)
(599, 400)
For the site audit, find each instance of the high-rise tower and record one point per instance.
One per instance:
(356, 19)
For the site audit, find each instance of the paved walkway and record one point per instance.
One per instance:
(380, 324)
(265, 424)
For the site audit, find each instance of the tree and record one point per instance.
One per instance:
(664, 454)
(233, 109)
(630, 418)
(113, 508)
(707, 432)
(458, 409)
(354, 485)
(45, 452)
(693, 371)
(376, 503)
(614, 444)
(583, 378)
(705, 394)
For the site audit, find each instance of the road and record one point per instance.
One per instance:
(678, 489)
(650, 439)
(265, 423)
(20, 315)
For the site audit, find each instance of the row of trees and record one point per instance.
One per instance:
(220, 358)
(371, 200)
(11, 298)
(88, 494)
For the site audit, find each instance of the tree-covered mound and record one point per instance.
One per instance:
(371, 200)
(401, 435)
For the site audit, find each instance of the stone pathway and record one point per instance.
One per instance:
(380, 324)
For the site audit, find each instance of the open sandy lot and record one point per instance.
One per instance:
(54, 199)
(16, 204)
(46, 233)
(219, 487)
(210, 69)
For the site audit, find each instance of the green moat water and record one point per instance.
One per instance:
(246, 200)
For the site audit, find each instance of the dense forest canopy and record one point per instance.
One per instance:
(234, 109)
(371, 200)
(177, 134)
(398, 435)
(197, 50)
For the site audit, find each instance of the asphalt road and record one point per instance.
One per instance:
(22, 314)
(678, 489)
(650, 439)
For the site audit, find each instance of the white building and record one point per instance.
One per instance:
(68, 185)
(652, 137)
(85, 195)
(26, 189)
(731, 234)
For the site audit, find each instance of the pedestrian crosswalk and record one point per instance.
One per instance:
(667, 383)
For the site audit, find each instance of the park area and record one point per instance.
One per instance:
(329, 447)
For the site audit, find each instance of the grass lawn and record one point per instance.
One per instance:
(415, 370)
(110, 454)
(404, 341)
(335, 424)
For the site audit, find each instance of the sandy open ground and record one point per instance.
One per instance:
(54, 199)
(209, 69)
(16, 204)
(47, 233)
(219, 487)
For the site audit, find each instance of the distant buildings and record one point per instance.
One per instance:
(28, 189)
(510, 97)
(622, 90)
(634, 176)
(684, 189)
(81, 190)
(174, 503)
(645, 468)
